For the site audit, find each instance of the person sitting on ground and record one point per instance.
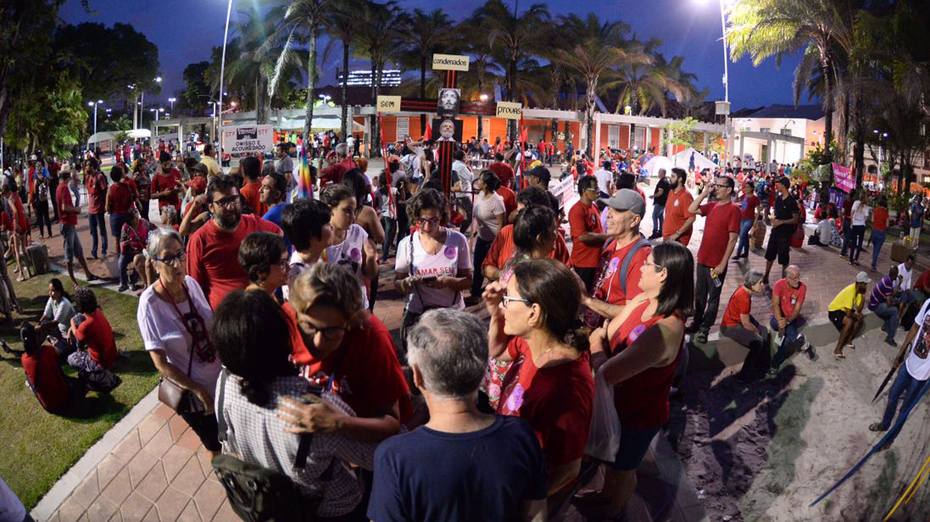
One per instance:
(251, 337)
(263, 256)
(922, 287)
(338, 345)
(739, 324)
(96, 351)
(418, 473)
(549, 384)
(821, 236)
(884, 302)
(787, 299)
(58, 309)
(132, 240)
(43, 373)
(845, 312)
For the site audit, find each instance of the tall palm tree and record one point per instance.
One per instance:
(642, 85)
(424, 34)
(378, 40)
(482, 72)
(343, 24)
(301, 21)
(599, 47)
(776, 28)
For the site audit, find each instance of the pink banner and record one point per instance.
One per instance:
(843, 178)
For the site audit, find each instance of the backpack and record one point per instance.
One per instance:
(103, 381)
(42, 192)
(259, 494)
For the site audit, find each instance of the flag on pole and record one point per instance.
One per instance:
(428, 135)
(523, 136)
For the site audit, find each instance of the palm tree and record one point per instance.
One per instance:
(424, 34)
(301, 20)
(482, 70)
(642, 86)
(343, 24)
(776, 28)
(599, 47)
(378, 41)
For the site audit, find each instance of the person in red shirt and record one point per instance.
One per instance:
(738, 324)
(341, 347)
(118, 202)
(96, 184)
(588, 236)
(549, 383)
(510, 201)
(535, 240)
(69, 213)
(166, 184)
(20, 229)
(212, 252)
(92, 330)
(879, 228)
(343, 164)
(749, 213)
(503, 170)
(251, 167)
(626, 209)
(787, 299)
(721, 230)
(678, 219)
(43, 372)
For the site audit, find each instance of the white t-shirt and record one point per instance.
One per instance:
(604, 177)
(860, 213)
(823, 230)
(918, 364)
(465, 178)
(907, 279)
(162, 329)
(486, 211)
(61, 313)
(452, 257)
(296, 265)
(351, 253)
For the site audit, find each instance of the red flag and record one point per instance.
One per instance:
(428, 135)
(523, 135)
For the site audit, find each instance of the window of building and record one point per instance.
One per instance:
(403, 127)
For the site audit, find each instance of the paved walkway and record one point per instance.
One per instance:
(159, 470)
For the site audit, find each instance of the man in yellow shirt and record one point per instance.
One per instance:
(846, 313)
(209, 159)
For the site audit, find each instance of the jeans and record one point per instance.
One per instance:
(481, 251)
(858, 234)
(792, 330)
(658, 220)
(847, 236)
(878, 239)
(904, 385)
(390, 228)
(706, 297)
(742, 248)
(758, 343)
(97, 222)
(888, 312)
(116, 226)
(124, 261)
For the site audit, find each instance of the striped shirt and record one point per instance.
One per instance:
(880, 293)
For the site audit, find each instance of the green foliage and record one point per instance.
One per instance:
(50, 117)
(681, 133)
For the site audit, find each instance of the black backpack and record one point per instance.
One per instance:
(259, 494)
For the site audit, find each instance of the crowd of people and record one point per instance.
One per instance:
(256, 307)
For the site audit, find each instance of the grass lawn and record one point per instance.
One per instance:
(36, 447)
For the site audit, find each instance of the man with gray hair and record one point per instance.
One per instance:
(462, 465)
(339, 165)
(787, 299)
(739, 324)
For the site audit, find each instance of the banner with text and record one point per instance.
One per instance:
(509, 110)
(843, 178)
(388, 103)
(240, 142)
(563, 190)
(450, 62)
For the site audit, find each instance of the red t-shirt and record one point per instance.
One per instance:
(740, 304)
(722, 220)
(6, 224)
(62, 198)
(52, 389)
(22, 225)
(213, 256)
(120, 198)
(250, 191)
(676, 213)
(133, 188)
(502, 249)
(96, 332)
(789, 298)
(334, 174)
(162, 182)
(748, 207)
(880, 218)
(583, 220)
(96, 193)
(610, 290)
(555, 400)
(510, 200)
(923, 281)
(368, 377)
(503, 171)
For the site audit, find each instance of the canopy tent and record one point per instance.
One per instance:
(683, 160)
(320, 123)
(657, 163)
(111, 136)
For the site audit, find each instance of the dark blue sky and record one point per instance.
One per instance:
(185, 30)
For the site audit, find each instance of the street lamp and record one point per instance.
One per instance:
(726, 83)
(94, 105)
(222, 72)
(171, 101)
(142, 103)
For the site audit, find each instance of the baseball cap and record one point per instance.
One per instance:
(201, 168)
(626, 199)
(863, 278)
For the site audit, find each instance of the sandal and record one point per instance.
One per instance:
(877, 426)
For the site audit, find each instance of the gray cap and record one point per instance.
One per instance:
(626, 199)
(862, 277)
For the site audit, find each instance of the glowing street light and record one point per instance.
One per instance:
(94, 105)
(171, 101)
(724, 4)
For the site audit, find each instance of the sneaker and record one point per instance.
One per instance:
(891, 342)
(122, 288)
(700, 337)
(877, 426)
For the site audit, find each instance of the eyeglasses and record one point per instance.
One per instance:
(231, 201)
(174, 260)
(508, 299)
(431, 222)
(284, 264)
(718, 185)
(655, 266)
(330, 332)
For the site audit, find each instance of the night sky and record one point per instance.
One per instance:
(185, 30)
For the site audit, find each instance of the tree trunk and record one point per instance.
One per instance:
(589, 117)
(827, 66)
(511, 124)
(422, 93)
(345, 90)
(260, 116)
(859, 146)
(375, 122)
(311, 83)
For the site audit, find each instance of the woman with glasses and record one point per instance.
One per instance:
(263, 256)
(174, 318)
(337, 345)
(549, 384)
(638, 352)
(433, 266)
(350, 245)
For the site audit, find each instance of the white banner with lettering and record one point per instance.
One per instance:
(240, 142)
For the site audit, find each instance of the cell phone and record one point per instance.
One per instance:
(430, 277)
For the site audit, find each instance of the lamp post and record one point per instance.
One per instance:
(171, 101)
(222, 72)
(726, 84)
(881, 136)
(94, 105)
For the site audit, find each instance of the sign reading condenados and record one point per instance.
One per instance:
(509, 110)
(388, 103)
(450, 62)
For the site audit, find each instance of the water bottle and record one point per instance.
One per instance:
(717, 282)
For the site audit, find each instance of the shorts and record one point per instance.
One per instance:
(633, 447)
(779, 246)
(837, 317)
(71, 242)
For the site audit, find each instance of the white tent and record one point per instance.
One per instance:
(319, 123)
(657, 163)
(683, 160)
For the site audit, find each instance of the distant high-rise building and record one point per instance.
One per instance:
(389, 78)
